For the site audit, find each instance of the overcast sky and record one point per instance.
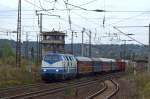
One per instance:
(122, 13)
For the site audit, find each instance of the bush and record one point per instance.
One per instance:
(6, 50)
(7, 56)
(143, 85)
(140, 84)
(10, 76)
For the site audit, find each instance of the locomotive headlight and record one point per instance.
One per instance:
(57, 70)
(44, 70)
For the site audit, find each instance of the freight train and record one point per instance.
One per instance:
(64, 66)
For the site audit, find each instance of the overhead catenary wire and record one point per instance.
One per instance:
(124, 11)
(68, 12)
(131, 26)
(86, 19)
(83, 17)
(77, 7)
(128, 36)
(88, 2)
(118, 11)
(51, 13)
(50, 1)
(127, 18)
(80, 8)
(27, 16)
(41, 4)
(32, 4)
(99, 10)
(108, 11)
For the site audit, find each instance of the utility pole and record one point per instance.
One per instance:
(27, 52)
(26, 47)
(40, 37)
(72, 50)
(90, 45)
(149, 51)
(38, 49)
(124, 49)
(18, 47)
(40, 23)
(82, 49)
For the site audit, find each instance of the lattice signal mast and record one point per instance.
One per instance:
(18, 47)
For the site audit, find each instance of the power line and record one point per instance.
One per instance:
(99, 10)
(126, 19)
(130, 26)
(32, 4)
(87, 19)
(49, 1)
(94, 18)
(26, 10)
(80, 16)
(127, 35)
(88, 2)
(67, 21)
(41, 4)
(78, 7)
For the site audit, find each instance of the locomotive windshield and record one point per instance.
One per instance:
(51, 57)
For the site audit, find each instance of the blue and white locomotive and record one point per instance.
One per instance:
(60, 66)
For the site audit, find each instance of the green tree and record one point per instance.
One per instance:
(6, 50)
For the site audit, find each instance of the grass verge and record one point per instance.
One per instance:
(139, 82)
(13, 76)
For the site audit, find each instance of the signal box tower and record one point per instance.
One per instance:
(53, 42)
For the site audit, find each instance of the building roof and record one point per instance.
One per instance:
(53, 33)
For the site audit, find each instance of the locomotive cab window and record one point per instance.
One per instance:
(67, 59)
(52, 57)
(70, 58)
(64, 58)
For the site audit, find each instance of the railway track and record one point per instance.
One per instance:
(26, 89)
(110, 88)
(49, 91)
(42, 90)
(5, 90)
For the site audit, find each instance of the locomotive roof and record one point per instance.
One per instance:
(52, 54)
(80, 58)
(107, 60)
(96, 59)
(59, 54)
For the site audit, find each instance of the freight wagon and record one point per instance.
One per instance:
(84, 65)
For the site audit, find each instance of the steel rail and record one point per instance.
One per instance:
(47, 91)
(104, 89)
(99, 92)
(115, 91)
